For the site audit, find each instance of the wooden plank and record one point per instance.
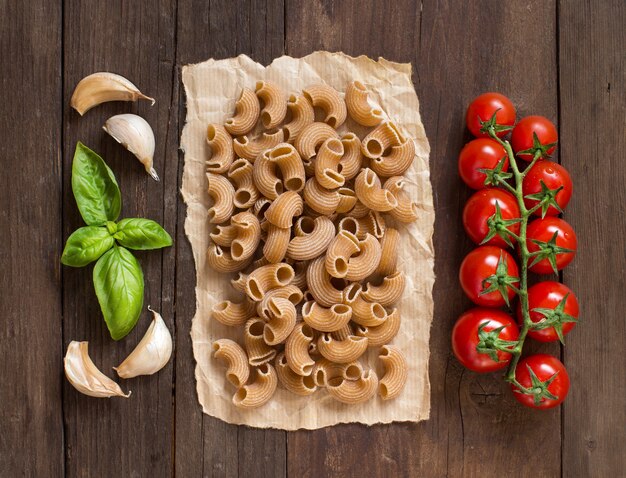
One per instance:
(455, 60)
(206, 446)
(593, 121)
(129, 437)
(31, 420)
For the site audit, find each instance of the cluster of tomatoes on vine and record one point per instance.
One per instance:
(513, 218)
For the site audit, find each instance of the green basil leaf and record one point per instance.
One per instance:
(118, 280)
(85, 245)
(95, 188)
(141, 234)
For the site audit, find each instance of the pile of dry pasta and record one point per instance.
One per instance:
(305, 215)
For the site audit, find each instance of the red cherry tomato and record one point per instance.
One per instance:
(483, 107)
(465, 338)
(481, 206)
(549, 295)
(544, 367)
(543, 230)
(481, 153)
(480, 264)
(522, 135)
(553, 176)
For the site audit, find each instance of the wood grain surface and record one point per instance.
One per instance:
(562, 59)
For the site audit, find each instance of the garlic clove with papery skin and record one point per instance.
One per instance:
(151, 354)
(101, 87)
(85, 377)
(135, 134)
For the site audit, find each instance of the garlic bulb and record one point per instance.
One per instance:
(135, 134)
(101, 87)
(151, 354)
(82, 373)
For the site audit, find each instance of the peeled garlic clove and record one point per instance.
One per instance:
(151, 354)
(135, 134)
(101, 87)
(82, 373)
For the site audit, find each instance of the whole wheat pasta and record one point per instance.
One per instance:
(258, 351)
(389, 255)
(359, 210)
(326, 319)
(299, 279)
(387, 293)
(366, 262)
(282, 320)
(309, 167)
(351, 293)
(221, 144)
(268, 277)
(325, 370)
(302, 115)
(311, 138)
(276, 243)
(347, 200)
(290, 292)
(359, 107)
(352, 159)
(366, 313)
(341, 351)
(297, 384)
(284, 208)
(232, 314)
(248, 235)
(339, 252)
(312, 237)
(247, 110)
(250, 149)
(266, 178)
(260, 391)
(223, 235)
(329, 99)
(343, 333)
(381, 138)
(290, 165)
(221, 260)
(396, 372)
(260, 206)
(297, 349)
(354, 391)
(320, 285)
(369, 191)
(382, 334)
(326, 164)
(349, 224)
(246, 193)
(239, 284)
(397, 161)
(373, 223)
(260, 262)
(274, 104)
(406, 210)
(229, 351)
(320, 199)
(221, 192)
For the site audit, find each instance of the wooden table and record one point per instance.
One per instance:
(564, 60)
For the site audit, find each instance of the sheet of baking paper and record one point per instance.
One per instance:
(212, 88)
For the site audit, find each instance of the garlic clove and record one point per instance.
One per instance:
(151, 354)
(82, 373)
(135, 134)
(101, 87)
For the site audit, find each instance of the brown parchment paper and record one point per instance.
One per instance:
(212, 88)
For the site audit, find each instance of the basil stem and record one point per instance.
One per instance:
(85, 245)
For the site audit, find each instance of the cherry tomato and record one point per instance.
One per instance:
(465, 338)
(549, 295)
(483, 107)
(522, 135)
(553, 176)
(544, 367)
(480, 153)
(481, 206)
(482, 263)
(543, 230)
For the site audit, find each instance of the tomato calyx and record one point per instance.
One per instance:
(495, 176)
(538, 389)
(548, 250)
(491, 125)
(498, 226)
(538, 150)
(489, 342)
(546, 198)
(554, 318)
(501, 281)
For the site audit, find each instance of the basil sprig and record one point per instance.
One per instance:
(117, 275)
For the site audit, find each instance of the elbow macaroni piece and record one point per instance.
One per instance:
(223, 235)
(324, 370)
(275, 104)
(232, 314)
(312, 137)
(326, 320)
(406, 210)
(359, 210)
(221, 192)
(389, 256)
(222, 261)
(340, 250)
(349, 224)
(247, 110)
(369, 191)
(368, 314)
(363, 265)
(320, 285)
(284, 208)
(396, 372)
(249, 149)
(261, 280)
(347, 200)
(248, 231)
(382, 334)
(276, 243)
(239, 284)
(282, 315)
(354, 391)
(236, 360)
(380, 139)
(388, 293)
(342, 351)
(373, 223)
(260, 391)
(397, 161)
(258, 351)
(302, 115)
(290, 165)
(327, 164)
(299, 279)
(320, 199)
(221, 144)
(297, 349)
(265, 178)
(329, 99)
(246, 193)
(359, 107)
(352, 159)
(297, 384)
(290, 292)
(312, 237)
